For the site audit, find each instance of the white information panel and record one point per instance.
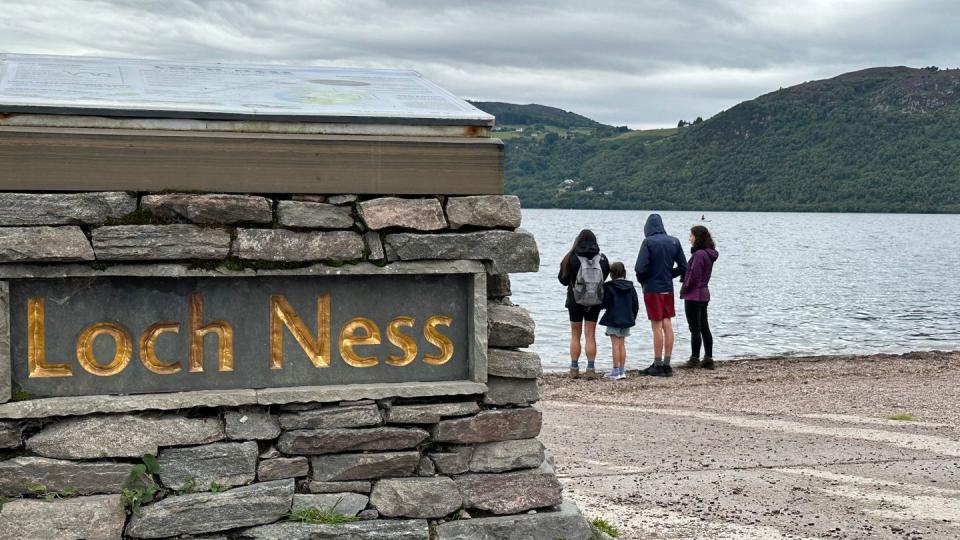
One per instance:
(131, 87)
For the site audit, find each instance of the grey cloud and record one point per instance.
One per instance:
(643, 62)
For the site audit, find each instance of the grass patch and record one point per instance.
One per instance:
(605, 527)
(18, 394)
(651, 134)
(321, 516)
(902, 417)
(140, 487)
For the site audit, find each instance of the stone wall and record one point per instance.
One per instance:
(220, 465)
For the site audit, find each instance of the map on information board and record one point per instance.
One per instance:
(128, 87)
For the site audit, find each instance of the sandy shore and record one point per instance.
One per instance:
(775, 448)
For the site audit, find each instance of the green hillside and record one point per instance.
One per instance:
(877, 140)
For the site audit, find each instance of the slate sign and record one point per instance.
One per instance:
(124, 335)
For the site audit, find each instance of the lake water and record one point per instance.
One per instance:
(785, 283)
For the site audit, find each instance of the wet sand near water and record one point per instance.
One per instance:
(802, 447)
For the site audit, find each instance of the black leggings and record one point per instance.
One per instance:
(699, 328)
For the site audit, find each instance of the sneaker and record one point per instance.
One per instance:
(653, 370)
(612, 375)
(621, 375)
(707, 363)
(691, 363)
(590, 374)
(574, 372)
(666, 371)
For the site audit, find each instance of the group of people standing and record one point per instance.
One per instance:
(584, 270)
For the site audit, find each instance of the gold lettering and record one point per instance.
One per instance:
(36, 347)
(317, 349)
(404, 342)
(121, 339)
(440, 341)
(148, 348)
(349, 340)
(222, 329)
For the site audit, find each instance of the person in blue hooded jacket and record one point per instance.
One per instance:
(661, 259)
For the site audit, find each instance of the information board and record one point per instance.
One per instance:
(149, 88)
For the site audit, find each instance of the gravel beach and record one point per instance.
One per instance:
(787, 447)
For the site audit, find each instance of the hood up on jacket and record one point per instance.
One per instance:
(654, 225)
(586, 248)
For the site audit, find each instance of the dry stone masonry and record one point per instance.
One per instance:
(253, 464)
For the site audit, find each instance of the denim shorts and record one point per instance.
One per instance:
(618, 332)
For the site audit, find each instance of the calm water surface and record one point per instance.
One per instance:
(784, 284)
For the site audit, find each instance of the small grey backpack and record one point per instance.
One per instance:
(588, 287)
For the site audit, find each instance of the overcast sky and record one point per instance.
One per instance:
(643, 63)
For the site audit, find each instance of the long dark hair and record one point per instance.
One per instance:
(701, 239)
(585, 235)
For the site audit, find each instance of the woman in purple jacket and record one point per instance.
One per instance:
(696, 295)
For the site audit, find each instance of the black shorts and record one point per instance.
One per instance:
(580, 313)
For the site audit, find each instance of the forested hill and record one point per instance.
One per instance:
(877, 140)
(525, 115)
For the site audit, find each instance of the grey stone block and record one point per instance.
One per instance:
(506, 251)
(498, 285)
(44, 244)
(510, 493)
(374, 246)
(290, 246)
(484, 211)
(342, 467)
(84, 405)
(489, 426)
(346, 503)
(354, 486)
(509, 326)
(6, 388)
(502, 456)
(332, 417)
(92, 437)
(333, 441)
(418, 214)
(210, 208)
(199, 513)
(226, 464)
(454, 461)
(415, 497)
(516, 364)
(99, 517)
(508, 391)
(342, 199)
(279, 468)
(426, 467)
(18, 209)
(314, 215)
(11, 435)
(19, 474)
(566, 522)
(429, 414)
(380, 529)
(251, 425)
(160, 242)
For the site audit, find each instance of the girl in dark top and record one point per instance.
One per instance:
(621, 305)
(696, 295)
(583, 319)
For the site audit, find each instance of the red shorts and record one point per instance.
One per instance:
(659, 306)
